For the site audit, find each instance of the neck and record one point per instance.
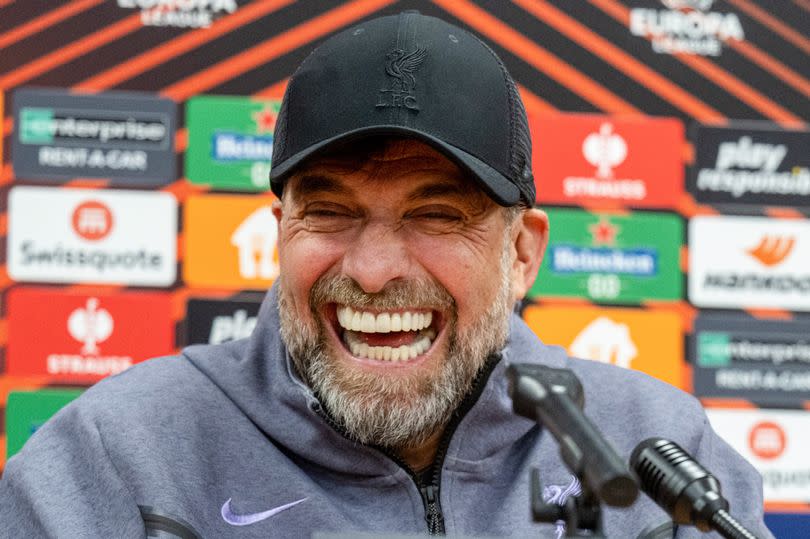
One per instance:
(420, 457)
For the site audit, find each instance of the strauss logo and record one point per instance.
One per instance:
(604, 150)
(90, 325)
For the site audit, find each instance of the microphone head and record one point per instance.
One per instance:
(676, 482)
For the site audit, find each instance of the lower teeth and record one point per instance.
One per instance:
(389, 353)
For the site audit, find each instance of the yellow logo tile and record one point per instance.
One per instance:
(230, 242)
(646, 340)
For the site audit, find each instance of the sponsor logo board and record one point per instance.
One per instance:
(180, 13)
(89, 336)
(751, 163)
(775, 442)
(788, 525)
(230, 242)
(612, 258)
(749, 262)
(230, 141)
(126, 137)
(26, 411)
(590, 159)
(647, 340)
(92, 236)
(686, 27)
(211, 321)
(764, 361)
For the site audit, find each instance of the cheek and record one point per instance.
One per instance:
(303, 261)
(471, 276)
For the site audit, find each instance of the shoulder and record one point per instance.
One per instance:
(633, 405)
(147, 391)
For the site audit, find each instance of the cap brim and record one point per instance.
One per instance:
(495, 184)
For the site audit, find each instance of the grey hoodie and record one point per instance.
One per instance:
(223, 440)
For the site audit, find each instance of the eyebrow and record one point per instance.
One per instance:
(438, 190)
(310, 184)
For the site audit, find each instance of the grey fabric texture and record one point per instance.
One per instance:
(182, 435)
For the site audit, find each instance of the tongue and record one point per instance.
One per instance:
(393, 339)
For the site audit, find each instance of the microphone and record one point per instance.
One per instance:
(543, 394)
(684, 488)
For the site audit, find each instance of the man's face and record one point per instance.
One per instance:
(395, 287)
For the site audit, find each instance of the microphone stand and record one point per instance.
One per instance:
(544, 394)
(582, 514)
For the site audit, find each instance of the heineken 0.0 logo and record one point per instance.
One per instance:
(230, 142)
(612, 258)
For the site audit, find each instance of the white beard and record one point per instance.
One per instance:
(405, 411)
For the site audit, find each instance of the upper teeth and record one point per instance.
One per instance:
(368, 322)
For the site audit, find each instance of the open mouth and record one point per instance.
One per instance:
(388, 335)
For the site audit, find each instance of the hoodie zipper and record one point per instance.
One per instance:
(430, 492)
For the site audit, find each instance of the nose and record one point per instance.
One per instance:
(378, 256)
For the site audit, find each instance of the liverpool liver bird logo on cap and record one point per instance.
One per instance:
(400, 66)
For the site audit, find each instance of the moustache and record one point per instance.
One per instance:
(414, 293)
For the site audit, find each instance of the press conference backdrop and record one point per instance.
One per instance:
(671, 150)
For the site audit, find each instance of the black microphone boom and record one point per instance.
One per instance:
(684, 488)
(543, 394)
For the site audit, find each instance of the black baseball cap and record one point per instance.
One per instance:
(415, 76)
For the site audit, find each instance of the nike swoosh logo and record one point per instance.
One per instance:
(243, 520)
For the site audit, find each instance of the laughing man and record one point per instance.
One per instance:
(372, 394)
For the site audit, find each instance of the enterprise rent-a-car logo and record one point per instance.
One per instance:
(128, 138)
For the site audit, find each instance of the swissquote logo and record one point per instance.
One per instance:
(605, 341)
(90, 336)
(740, 262)
(592, 158)
(400, 67)
(775, 442)
(255, 240)
(755, 163)
(686, 26)
(767, 440)
(86, 236)
(92, 220)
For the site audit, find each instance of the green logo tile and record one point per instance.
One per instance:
(26, 411)
(230, 142)
(612, 258)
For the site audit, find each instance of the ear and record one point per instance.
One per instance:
(530, 237)
(277, 207)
